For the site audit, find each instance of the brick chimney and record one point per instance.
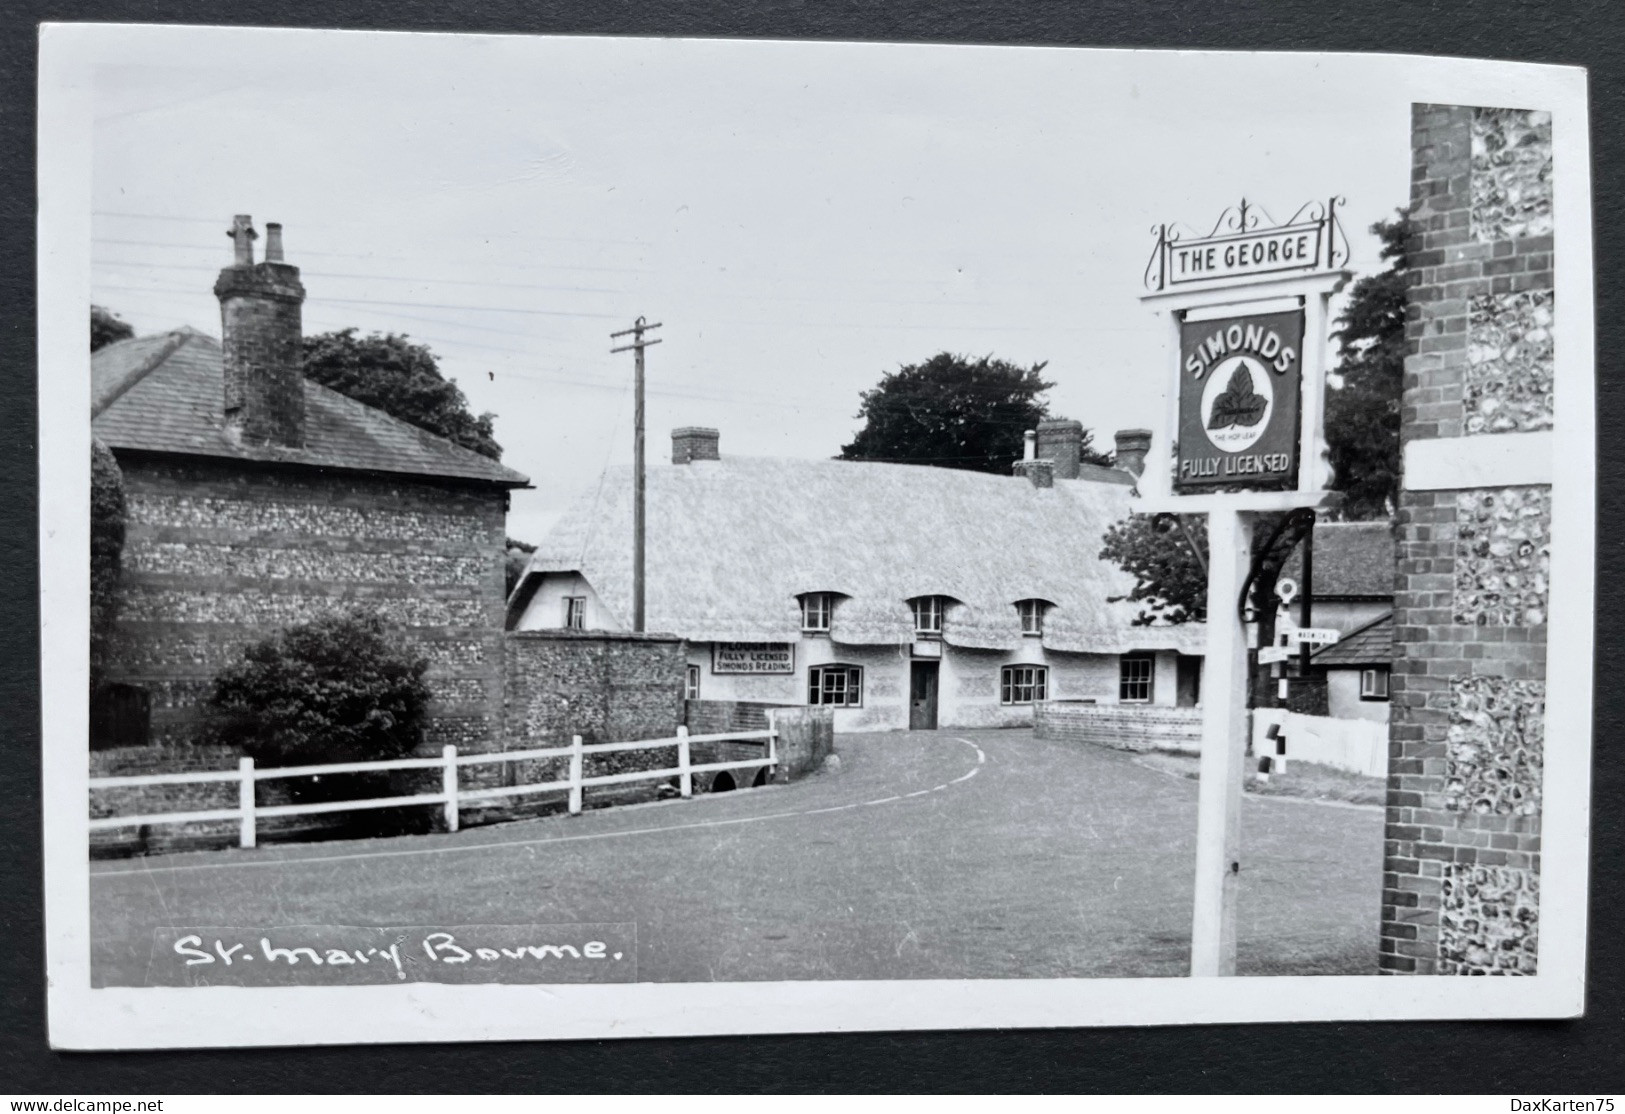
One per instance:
(1132, 445)
(692, 443)
(261, 331)
(1040, 472)
(1061, 440)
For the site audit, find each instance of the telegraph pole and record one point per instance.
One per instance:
(637, 346)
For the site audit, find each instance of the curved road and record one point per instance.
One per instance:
(952, 854)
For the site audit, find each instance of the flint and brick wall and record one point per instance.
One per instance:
(1120, 726)
(1462, 841)
(219, 555)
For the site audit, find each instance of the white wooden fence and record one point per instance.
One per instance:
(451, 795)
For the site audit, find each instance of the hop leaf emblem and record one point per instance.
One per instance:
(1238, 403)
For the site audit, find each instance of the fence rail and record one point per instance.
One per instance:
(451, 794)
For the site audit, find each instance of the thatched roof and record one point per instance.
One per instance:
(732, 543)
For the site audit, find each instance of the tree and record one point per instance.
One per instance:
(335, 689)
(1362, 408)
(518, 557)
(403, 380)
(954, 412)
(107, 327)
(106, 553)
(1170, 578)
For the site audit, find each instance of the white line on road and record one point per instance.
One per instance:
(980, 758)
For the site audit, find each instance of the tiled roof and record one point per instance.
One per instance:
(1372, 644)
(733, 542)
(1352, 560)
(165, 394)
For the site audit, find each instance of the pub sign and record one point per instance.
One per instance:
(1240, 393)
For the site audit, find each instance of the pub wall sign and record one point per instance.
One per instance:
(1240, 395)
(753, 657)
(1246, 244)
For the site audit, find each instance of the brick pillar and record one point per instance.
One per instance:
(1461, 859)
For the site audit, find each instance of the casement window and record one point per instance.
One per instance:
(927, 614)
(575, 612)
(839, 685)
(816, 609)
(1032, 617)
(1023, 684)
(1373, 684)
(691, 683)
(1135, 675)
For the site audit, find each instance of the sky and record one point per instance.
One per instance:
(801, 217)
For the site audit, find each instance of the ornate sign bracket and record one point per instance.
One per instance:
(1246, 243)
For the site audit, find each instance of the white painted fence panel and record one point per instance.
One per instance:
(1360, 746)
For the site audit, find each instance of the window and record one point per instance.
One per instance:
(691, 683)
(1373, 684)
(840, 685)
(1023, 684)
(927, 614)
(1032, 617)
(816, 608)
(575, 612)
(1134, 680)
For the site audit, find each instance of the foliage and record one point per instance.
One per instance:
(954, 412)
(1362, 415)
(1169, 578)
(403, 380)
(518, 557)
(107, 327)
(106, 552)
(332, 690)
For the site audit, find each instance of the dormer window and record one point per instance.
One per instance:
(927, 614)
(1032, 616)
(816, 609)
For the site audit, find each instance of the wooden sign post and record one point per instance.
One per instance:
(1247, 309)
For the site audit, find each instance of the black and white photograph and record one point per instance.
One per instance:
(612, 537)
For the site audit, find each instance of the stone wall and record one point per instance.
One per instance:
(222, 554)
(1462, 851)
(1120, 726)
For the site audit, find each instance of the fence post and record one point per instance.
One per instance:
(575, 774)
(448, 784)
(772, 739)
(685, 780)
(245, 801)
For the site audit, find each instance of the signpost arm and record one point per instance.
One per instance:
(1224, 748)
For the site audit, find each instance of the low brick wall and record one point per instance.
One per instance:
(715, 717)
(806, 739)
(1120, 726)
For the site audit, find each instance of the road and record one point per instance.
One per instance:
(951, 854)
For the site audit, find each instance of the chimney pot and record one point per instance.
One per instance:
(1061, 440)
(1132, 447)
(242, 237)
(691, 443)
(273, 242)
(1029, 445)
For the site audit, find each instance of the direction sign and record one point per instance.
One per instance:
(1276, 653)
(1315, 636)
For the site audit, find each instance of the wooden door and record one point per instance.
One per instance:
(922, 696)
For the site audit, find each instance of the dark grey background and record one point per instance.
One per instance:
(1521, 1058)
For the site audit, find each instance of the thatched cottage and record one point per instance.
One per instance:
(900, 595)
(257, 499)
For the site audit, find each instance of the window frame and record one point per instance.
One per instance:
(1034, 608)
(1367, 691)
(1124, 681)
(929, 607)
(575, 612)
(691, 682)
(819, 689)
(819, 601)
(1037, 686)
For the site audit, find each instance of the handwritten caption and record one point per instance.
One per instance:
(351, 955)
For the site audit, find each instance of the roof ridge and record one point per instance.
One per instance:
(174, 340)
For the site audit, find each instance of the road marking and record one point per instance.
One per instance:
(145, 869)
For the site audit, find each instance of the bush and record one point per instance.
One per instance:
(332, 690)
(106, 553)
